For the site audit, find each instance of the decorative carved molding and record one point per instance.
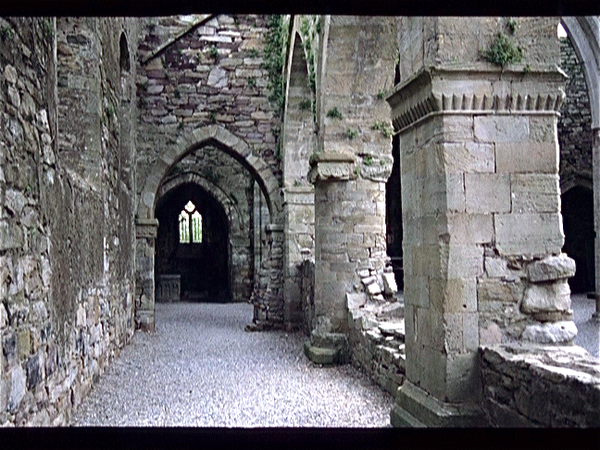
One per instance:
(437, 91)
(332, 166)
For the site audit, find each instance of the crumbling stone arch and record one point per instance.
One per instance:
(299, 142)
(584, 33)
(226, 141)
(236, 225)
(267, 297)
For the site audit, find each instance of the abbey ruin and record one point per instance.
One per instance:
(314, 166)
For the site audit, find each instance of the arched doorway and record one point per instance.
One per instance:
(192, 242)
(578, 224)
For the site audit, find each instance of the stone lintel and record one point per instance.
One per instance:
(416, 408)
(476, 90)
(146, 228)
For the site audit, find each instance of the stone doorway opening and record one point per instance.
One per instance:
(192, 246)
(578, 224)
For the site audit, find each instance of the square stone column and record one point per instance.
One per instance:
(299, 226)
(482, 224)
(146, 232)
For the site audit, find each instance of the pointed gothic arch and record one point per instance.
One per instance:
(218, 137)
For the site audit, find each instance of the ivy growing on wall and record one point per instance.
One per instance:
(274, 58)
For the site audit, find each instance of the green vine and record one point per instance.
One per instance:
(274, 59)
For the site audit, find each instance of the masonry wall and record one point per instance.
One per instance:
(212, 71)
(213, 75)
(67, 238)
(574, 125)
(540, 387)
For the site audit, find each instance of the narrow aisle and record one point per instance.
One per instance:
(200, 368)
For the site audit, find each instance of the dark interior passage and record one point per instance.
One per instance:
(578, 223)
(393, 202)
(192, 242)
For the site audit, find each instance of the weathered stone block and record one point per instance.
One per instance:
(528, 234)
(374, 289)
(487, 193)
(551, 268)
(389, 283)
(355, 300)
(499, 129)
(530, 157)
(535, 193)
(17, 388)
(499, 291)
(547, 297)
(469, 228)
(469, 157)
(551, 333)
(453, 295)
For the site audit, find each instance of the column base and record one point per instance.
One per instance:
(416, 408)
(145, 321)
(322, 355)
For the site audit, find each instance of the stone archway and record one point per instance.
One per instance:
(219, 137)
(584, 33)
(268, 302)
(299, 142)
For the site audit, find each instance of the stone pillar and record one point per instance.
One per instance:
(299, 213)
(146, 232)
(596, 169)
(331, 173)
(482, 230)
(267, 295)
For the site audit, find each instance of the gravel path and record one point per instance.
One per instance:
(201, 369)
(588, 329)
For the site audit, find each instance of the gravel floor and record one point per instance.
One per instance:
(201, 369)
(588, 329)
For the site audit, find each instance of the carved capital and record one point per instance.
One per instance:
(146, 228)
(332, 166)
(436, 91)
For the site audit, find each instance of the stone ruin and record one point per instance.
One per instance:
(330, 161)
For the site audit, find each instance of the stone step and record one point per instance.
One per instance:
(401, 418)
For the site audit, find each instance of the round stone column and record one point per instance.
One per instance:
(349, 238)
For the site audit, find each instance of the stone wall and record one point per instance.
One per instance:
(67, 240)
(574, 125)
(214, 74)
(540, 386)
(199, 73)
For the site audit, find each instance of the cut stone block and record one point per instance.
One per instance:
(319, 355)
(389, 283)
(547, 297)
(528, 234)
(551, 268)
(551, 333)
(374, 289)
(17, 388)
(355, 300)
